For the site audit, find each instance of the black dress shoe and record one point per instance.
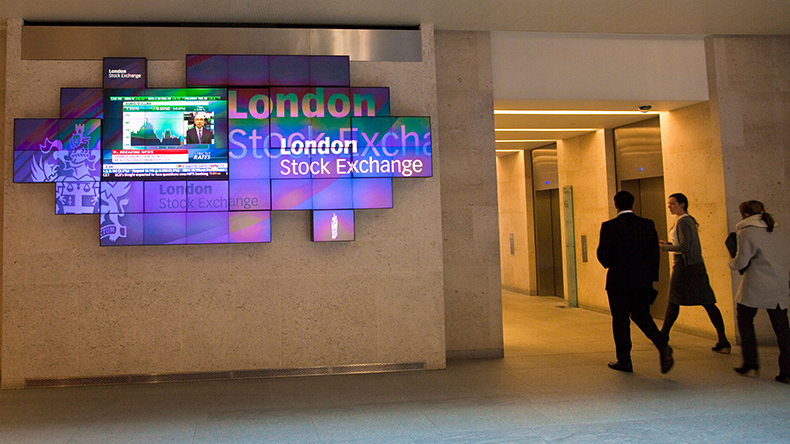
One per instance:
(722, 347)
(621, 366)
(746, 368)
(783, 377)
(667, 361)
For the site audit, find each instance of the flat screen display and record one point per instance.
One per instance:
(165, 134)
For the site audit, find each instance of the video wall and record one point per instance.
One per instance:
(210, 162)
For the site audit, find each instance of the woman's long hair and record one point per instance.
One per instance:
(752, 207)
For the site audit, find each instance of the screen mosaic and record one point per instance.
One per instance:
(210, 162)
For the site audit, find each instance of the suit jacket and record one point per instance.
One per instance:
(628, 247)
(206, 137)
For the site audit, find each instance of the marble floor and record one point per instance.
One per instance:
(552, 386)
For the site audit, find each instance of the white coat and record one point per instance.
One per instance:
(767, 255)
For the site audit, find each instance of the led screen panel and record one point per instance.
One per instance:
(250, 226)
(207, 228)
(124, 72)
(370, 193)
(122, 229)
(81, 103)
(333, 226)
(330, 194)
(207, 70)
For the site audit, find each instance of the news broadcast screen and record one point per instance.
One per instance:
(162, 134)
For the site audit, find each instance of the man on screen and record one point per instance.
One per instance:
(199, 133)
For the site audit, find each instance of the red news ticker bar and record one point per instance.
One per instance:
(138, 152)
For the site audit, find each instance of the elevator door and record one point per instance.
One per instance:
(548, 243)
(650, 203)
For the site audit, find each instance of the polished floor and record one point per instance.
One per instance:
(552, 387)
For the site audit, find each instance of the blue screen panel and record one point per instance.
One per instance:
(81, 139)
(287, 132)
(291, 164)
(292, 194)
(330, 71)
(247, 155)
(165, 196)
(207, 196)
(370, 132)
(122, 229)
(207, 228)
(124, 72)
(330, 129)
(36, 149)
(248, 70)
(371, 102)
(249, 195)
(165, 228)
(51, 150)
(333, 226)
(249, 103)
(250, 226)
(332, 194)
(372, 193)
(77, 198)
(36, 135)
(289, 70)
(207, 70)
(81, 103)
(36, 167)
(122, 197)
(331, 166)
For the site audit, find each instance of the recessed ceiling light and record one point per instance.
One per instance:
(570, 112)
(525, 140)
(564, 130)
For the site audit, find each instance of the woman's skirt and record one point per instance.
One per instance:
(689, 285)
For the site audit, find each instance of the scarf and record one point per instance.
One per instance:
(755, 220)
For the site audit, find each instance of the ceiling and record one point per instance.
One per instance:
(695, 17)
(549, 121)
(668, 17)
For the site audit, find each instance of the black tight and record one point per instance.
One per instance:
(713, 313)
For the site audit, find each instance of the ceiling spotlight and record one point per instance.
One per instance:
(645, 108)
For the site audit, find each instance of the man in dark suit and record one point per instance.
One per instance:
(628, 247)
(199, 133)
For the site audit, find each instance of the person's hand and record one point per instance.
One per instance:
(662, 242)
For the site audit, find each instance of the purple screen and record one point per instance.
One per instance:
(333, 226)
(124, 73)
(295, 133)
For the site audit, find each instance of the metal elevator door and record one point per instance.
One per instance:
(548, 243)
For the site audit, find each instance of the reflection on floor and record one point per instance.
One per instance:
(552, 386)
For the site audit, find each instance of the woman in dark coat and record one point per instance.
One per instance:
(689, 283)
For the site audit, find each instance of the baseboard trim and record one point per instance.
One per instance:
(222, 375)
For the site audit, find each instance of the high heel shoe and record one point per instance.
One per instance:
(783, 377)
(746, 368)
(722, 347)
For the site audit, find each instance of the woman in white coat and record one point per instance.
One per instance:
(764, 253)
